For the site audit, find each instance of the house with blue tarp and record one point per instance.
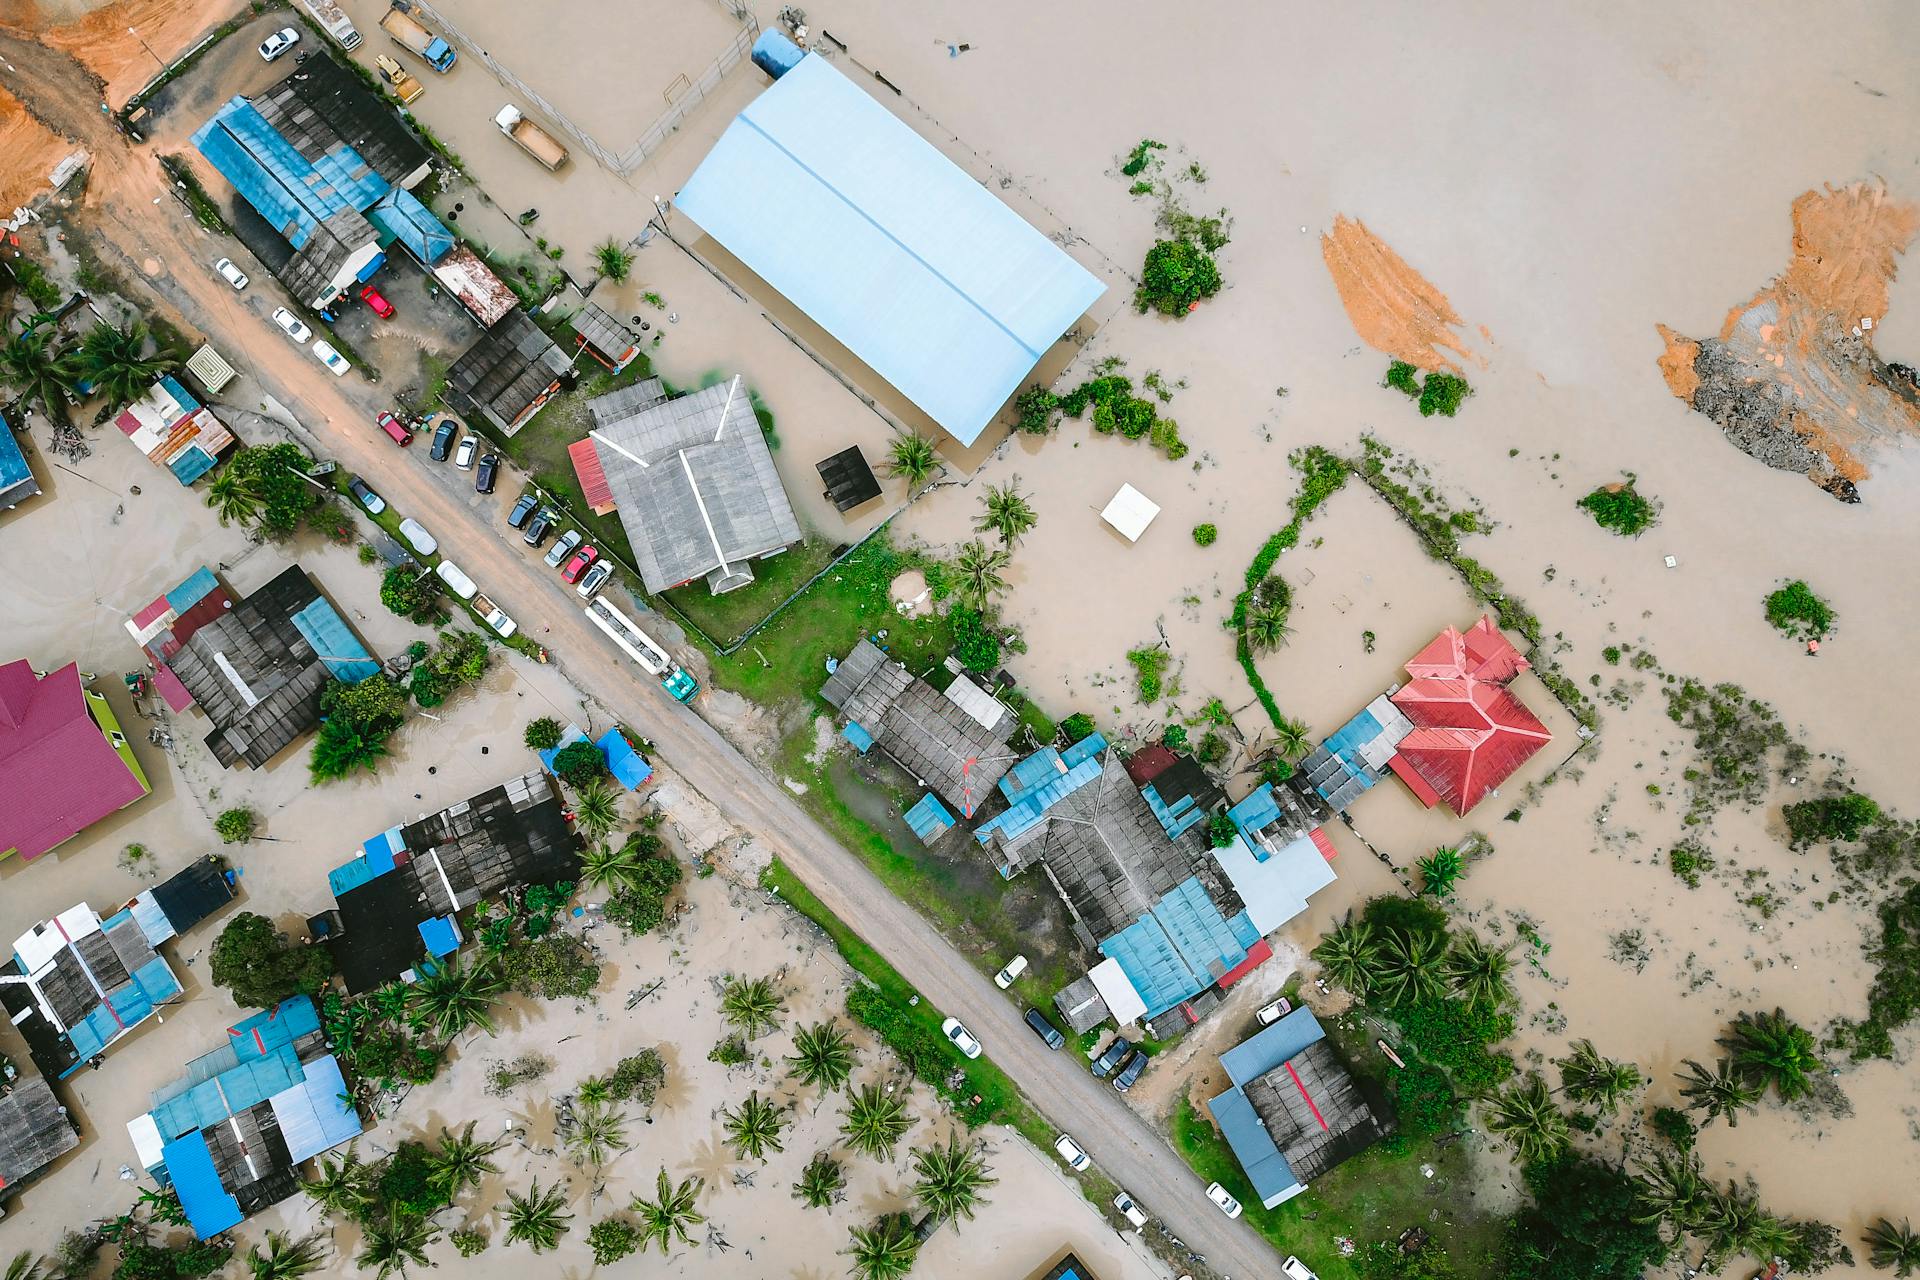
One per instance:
(623, 760)
(928, 819)
(16, 475)
(230, 1134)
(1356, 756)
(174, 430)
(77, 984)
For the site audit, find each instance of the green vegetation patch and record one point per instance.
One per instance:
(1795, 611)
(1149, 663)
(1620, 508)
(1843, 817)
(1436, 393)
(725, 618)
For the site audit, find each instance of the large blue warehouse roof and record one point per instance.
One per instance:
(883, 242)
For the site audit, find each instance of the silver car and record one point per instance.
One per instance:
(230, 273)
(563, 548)
(417, 536)
(292, 325)
(595, 579)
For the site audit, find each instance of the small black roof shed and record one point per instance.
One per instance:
(849, 480)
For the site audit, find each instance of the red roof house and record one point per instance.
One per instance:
(1470, 732)
(64, 764)
(591, 475)
(1479, 653)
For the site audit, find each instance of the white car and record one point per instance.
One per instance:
(463, 453)
(962, 1038)
(417, 536)
(278, 43)
(230, 273)
(1272, 1013)
(1129, 1210)
(1070, 1152)
(1297, 1270)
(291, 325)
(596, 578)
(1015, 967)
(457, 581)
(1223, 1200)
(323, 352)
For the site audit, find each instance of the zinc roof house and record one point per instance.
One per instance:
(930, 735)
(230, 1135)
(866, 228)
(175, 430)
(1470, 732)
(16, 474)
(509, 372)
(77, 983)
(64, 763)
(1294, 1111)
(694, 483)
(35, 1130)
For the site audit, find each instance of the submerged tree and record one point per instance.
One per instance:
(596, 809)
(1524, 1114)
(754, 1129)
(462, 1160)
(30, 365)
(284, 1258)
(1412, 966)
(1772, 1049)
(1590, 1079)
(977, 574)
(1478, 970)
(950, 1179)
(342, 1187)
(1440, 872)
(599, 1132)
(885, 1250)
(875, 1122)
(1719, 1092)
(754, 1005)
(1895, 1248)
(1350, 955)
(911, 457)
(235, 497)
(822, 1055)
(540, 1217)
(116, 363)
(614, 260)
(1006, 512)
(394, 1240)
(666, 1218)
(453, 998)
(821, 1181)
(1671, 1188)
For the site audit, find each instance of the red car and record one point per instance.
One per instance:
(395, 431)
(582, 559)
(375, 299)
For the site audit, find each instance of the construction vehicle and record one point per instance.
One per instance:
(404, 86)
(334, 22)
(411, 36)
(643, 649)
(533, 140)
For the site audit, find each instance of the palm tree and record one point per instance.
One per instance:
(1412, 966)
(912, 458)
(1893, 1247)
(1590, 1079)
(453, 998)
(342, 1187)
(1478, 970)
(885, 1250)
(1291, 740)
(394, 1241)
(462, 1161)
(286, 1258)
(667, 1218)
(1525, 1116)
(752, 1004)
(1266, 626)
(614, 868)
(1350, 955)
(599, 1131)
(24, 1267)
(235, 496)
(1006, 512)
(821, 1182)
(596, 809)
(977, 574)
(1720, 1092)
(1672, 1189)
(951, 1179)
(339, 752)
(876, 1120)
(754, 1129)
(30, 365)
(115, 362)
(540, 1217)
(1770, 1048)
(822, 1055)
(1732, 1221)
(1440, 871)
(613, 259)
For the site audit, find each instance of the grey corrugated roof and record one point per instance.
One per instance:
(853, 673)
(319, 104)
(506, 372)
(34, 1131)
(311, 271)
(1314, 1111)
(627, 401)
(693, 480)
(604, 333)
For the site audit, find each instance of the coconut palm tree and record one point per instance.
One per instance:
(1772, 1049)
(1350, 955)
(462, 1161)
(24, 1267)
(822, 1055)
(286, 1258)
(115, 362)
(454, 998)
(1720, 1092)
(822, 1182)
(911, 457)
(1525, 1116)
(615, 868)
(752, 1004)
(1266, 626)
(1590, 1079)
(1478, 970)
(343, 1187)
(235, 497)
(951, 1179)
(393, 1241)
(754, 1129)
(666, 1218)
(599, 1132)
(1891, 1247)
(596, 809)
(1671, 1188)
(1440, 871)
(1291, 740)
(885, 1250)
(540, 1217)
(1412, 966)
(1732, 1221)
(30, 365)
(1006, 512)
(876, 1120)
(977, 574)
(613, 260)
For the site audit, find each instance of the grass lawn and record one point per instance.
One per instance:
(728, 617)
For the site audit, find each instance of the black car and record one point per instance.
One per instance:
(1104, 1064)
(521, 510)
(367, 498)
(1130, 1071)
(539, 527)
(443, 440)
(1044, 1029)
(483, 478)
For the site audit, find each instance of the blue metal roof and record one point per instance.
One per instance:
(929, 819)
(1266, 1168)
(125, 1007)
(1257, 812)
(314, 1114)
(377, 858)
(1254, 1057)
(399, 215)
(239, 1088)
(190, 464)
(1175, 819)
(441, 935)
(887, 245)
(294, 194)
(628, 767)
(198, 586)
(181, 396)
(334, 644)
(1042, 781)
(1275, 887)
(858, 736)
(13, 462)
(210, 1209)
(1178, 949)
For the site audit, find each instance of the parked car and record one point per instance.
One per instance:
(291, 325)
(364, 494)
(1272, 1013)
(463, 456)
(395, 429)
(1129, 1071)
(596, 578)
(521, 510)
(564, 547)
(962, 1038)
(1015, 967)
(417, 536)
(1130, 1210)
(1070, 1152)
(1223, 1200)
(489, 469)
(1294, 1269)
(443, 439)
(1111, 1057)
(1044, 1029)
(278, 43)
(457, 582)
(323, 352)
(230, 273)
(578, 565)
(377, 300)
(539, 527)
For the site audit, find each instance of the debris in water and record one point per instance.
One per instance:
(1394, 308)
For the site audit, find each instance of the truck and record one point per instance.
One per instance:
(404, 86)
(643, 649)
(331, 20)
(494, 616)
(411, 36)
(533, 140)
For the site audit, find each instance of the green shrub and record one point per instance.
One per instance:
(542, 734)
(1205, 534)
(1221, 833)
(1404, 377)
(1424, 1102)
(732, 1051)
(1836, 818)
(236, 826)
(579, 763)
(259, 969)
(1795, 611)
(1174, 737)
(974, 641)
(1611, 655)
(1585, 1220)
(1689, 860)
(470, 1243)
(1136, 161)
(1442, 394)
(1149, 664)
(612, 1239)
(1212, 749)
(1674, 1126)
(1620, 507)
(1454, 1035)
(1077, 726)
(555, 966)
(637, 1078)
(1037, 409)
(277, 473)
(1177, 276)
(926, 1053)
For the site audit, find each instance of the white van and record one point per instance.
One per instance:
(457, 582)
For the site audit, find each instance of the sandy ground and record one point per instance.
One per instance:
(1393, 307)
(32, 150)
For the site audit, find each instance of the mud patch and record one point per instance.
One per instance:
(1394, 308)
(31, 151)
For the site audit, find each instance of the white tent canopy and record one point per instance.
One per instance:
(1131, 511)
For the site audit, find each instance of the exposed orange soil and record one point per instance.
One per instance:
(1394, 308)
(1676, 363)
(30, 152)
(102, 41)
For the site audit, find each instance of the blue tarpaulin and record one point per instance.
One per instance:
(628, 767)
(334, 644)
(210, 1209)
(375, 860)
(398, 215)
(929, 819)
(858, 736)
